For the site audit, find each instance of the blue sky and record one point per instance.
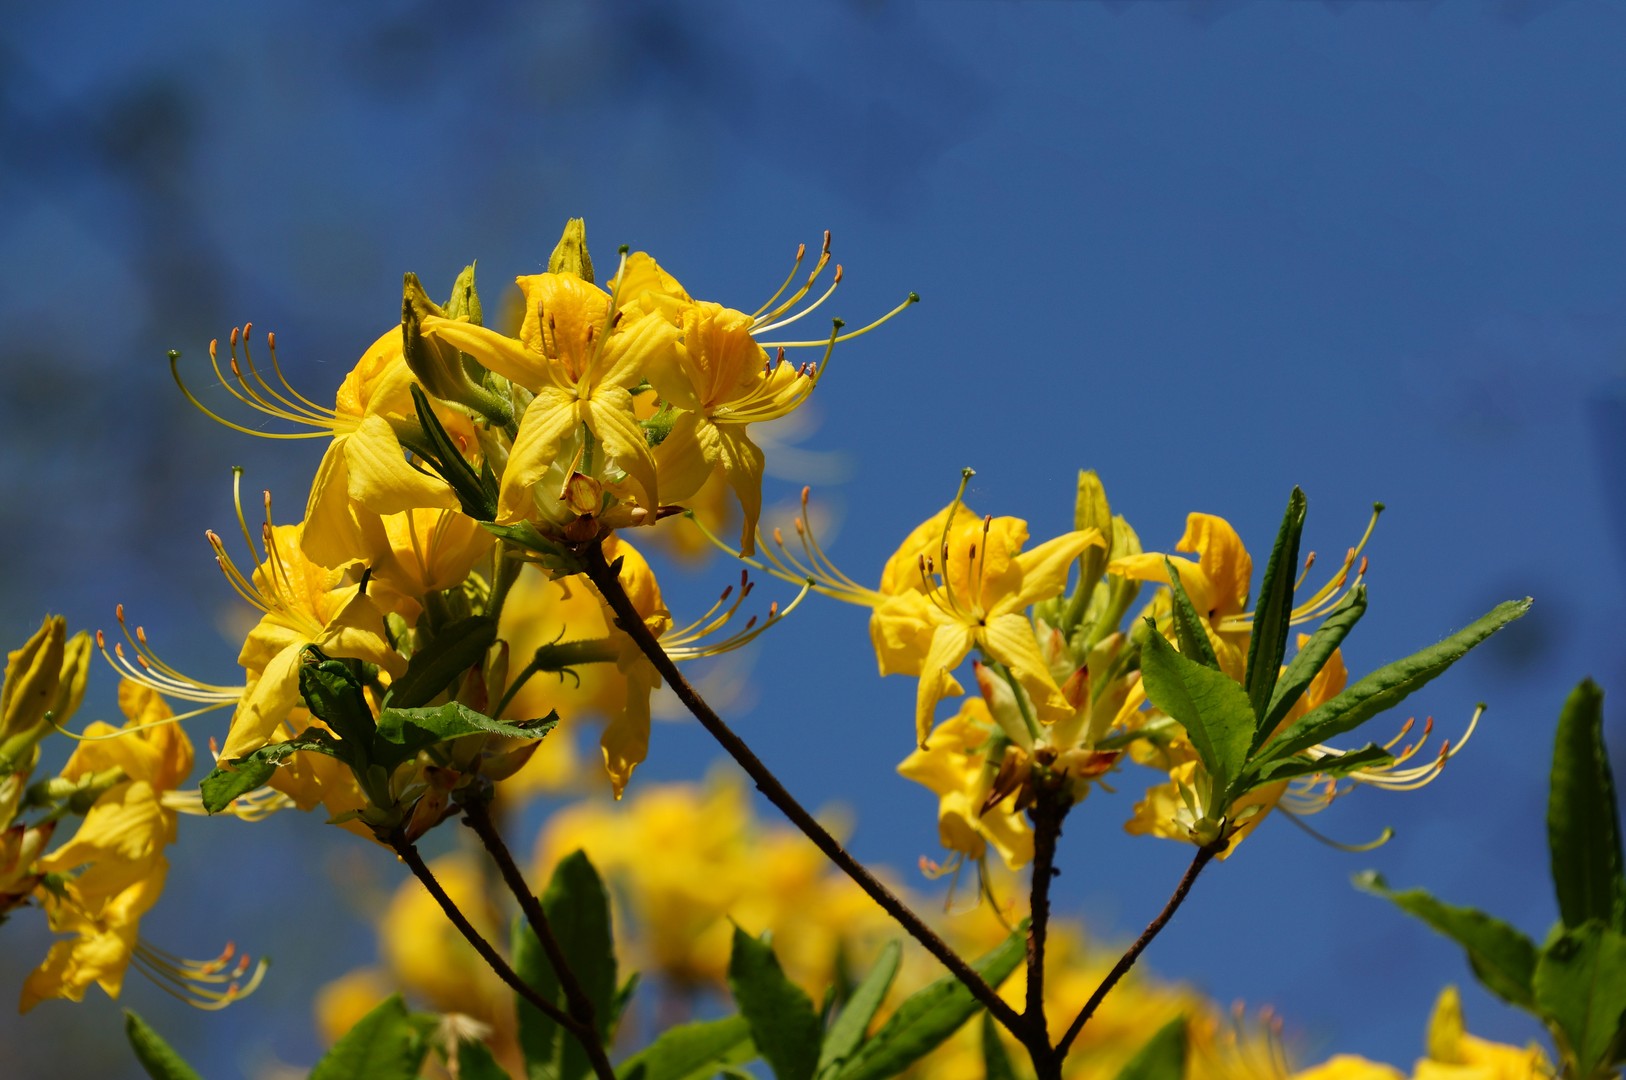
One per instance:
(1210, 249)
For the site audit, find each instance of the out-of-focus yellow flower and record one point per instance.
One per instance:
(683, 861)
(1350, 1067)
(1453, 1054)
(345, 1000)
(580, 355)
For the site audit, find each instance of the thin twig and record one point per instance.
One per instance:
(409, 855)
(477, 813)
(609, 585)
(1204, 855)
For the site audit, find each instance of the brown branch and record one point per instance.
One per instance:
(1047, 813)
(477, 814)
(608, 581)
(409, 855)
(1204, 855)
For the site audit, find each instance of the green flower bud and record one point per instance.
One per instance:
(570, 256)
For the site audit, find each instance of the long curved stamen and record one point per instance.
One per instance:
(747, 634)
(257, 392)
(256, 805)
(816, 567)
(1371, 845)
(763, 315)
(943, 541)
(195, 981)
(763, 328)
(801, 253)
(149, 670)
(913, 298)
(266, 397)
(1326, 597)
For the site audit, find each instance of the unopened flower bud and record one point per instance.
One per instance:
(570, 255)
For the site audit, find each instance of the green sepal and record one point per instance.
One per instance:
(1090, 511)
(159, 1060)
(1583, 821)
(930, 1015)
(692, 1051)
(386, 1044)
(578, 912)
(404, 732)
(853, 1019)
(250, 772)
(550, 554)
(659, 426)
(1272, 615)
(475, 1062)
(477, 498)
(996, 1062)
(438, 665)
(1212, 708)
(1164, 1055)
(1308, 661)
(1580, 988)
(334, 696)
(1367, 757)
(465, 299)
(784, 1025)
(1389, 685)
(1502, 958)
(1189, 628)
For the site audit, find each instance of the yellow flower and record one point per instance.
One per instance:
(580, 355)
(1453, 1054)
(959, 583)
(1349, 1067)
(955, 768)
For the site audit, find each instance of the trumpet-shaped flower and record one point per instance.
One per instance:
(959, 583)
(580, 354)
(956, 768)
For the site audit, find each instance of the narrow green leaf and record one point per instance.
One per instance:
(1583, 822)
(1389, 685)
(384, 1045)
(1502, 958)
(692, 1051)
(1308, 661)
(1190, 628)
(474, 1062)
(1268, 642)
(448, 461)
(333, 694)
(783, 1023)
(1213, 709)
(1369, 756)
(930, 1015)
(1163, 1057)
(155, 1055)
(1580, 985)
(541, 1040)
(456, 648)
(852, 1022)
(249, 772)
(578, 910)
(996, 1062)
(623, 998)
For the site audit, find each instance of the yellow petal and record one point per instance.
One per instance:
(1044, 570)
(949, 646)
(493, 351)
(626, 737)
(1226, 563)
(901, 630)
(1149, 567)
(265, 704)
(609, 414)
(551, 418)
(681, 459)
(741, 461)
(382, 480)
(1009, 640)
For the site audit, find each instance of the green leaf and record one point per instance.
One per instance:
(1268, 642)
(692, 1051)
(929, 1016)
(155, 1055)
(1583, 822)
(1190, 630)
(1580, 985)
(333, 694)
(1308, 661)
(1502, 958)
(474, 1062)
(384, 1045)
(249, 772)
(783, 1024)
(436, 666)
(1389, 685)
(410, 730)
(1213, 709)
(623, 998)
(996, 1063)
(478, 501)
(1369, 756)
(1164, 1055)
(852, 1022)
(578, 912)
